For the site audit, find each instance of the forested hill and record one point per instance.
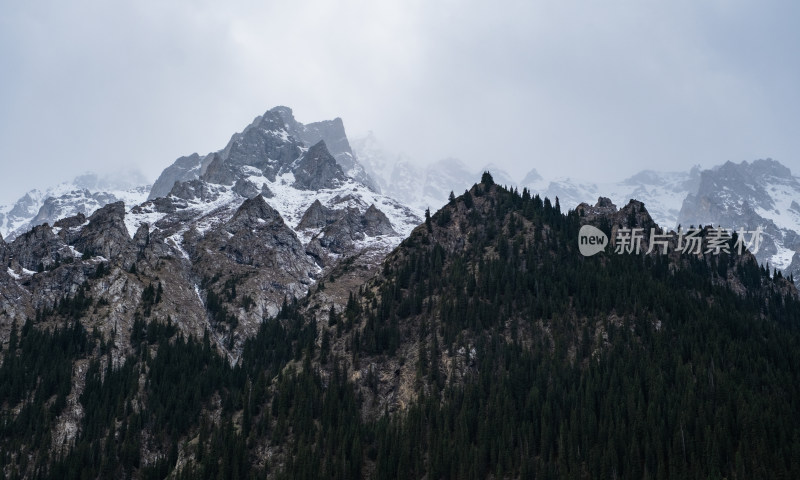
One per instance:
(487, 347)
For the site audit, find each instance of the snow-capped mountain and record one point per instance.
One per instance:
(762, 193)
(313, 212)
(332, 132)
(84, 194)
(238, 232)
(274, 157)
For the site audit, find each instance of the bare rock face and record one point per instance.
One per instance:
(332, 132)
(606, 216)
(266, 192)
(106, 234)
(605, 202)
(342, 230)
(264, 145)
(376, 223)
(69, 228)
(14, 299)
(317, 169)
(246, 188)
(632, 215)
(318, 216)
(184, 169)
(194, 190)
(257, 236)
(219, 171)
(71, 222)
(142, 238)
(339, 236)
(38, 248)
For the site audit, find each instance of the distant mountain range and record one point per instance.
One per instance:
(83, 194)
(746, 195)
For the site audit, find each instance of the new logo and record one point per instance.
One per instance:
(591, 240)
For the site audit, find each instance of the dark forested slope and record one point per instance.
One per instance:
(486, 347)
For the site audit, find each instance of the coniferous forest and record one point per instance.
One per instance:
(528, 359)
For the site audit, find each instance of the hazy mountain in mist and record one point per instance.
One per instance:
(749, 195)
(762, 193)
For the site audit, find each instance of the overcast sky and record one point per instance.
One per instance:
(588, 89)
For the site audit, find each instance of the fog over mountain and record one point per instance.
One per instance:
(596, 92)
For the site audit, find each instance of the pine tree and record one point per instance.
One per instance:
(428, 219)
(467, 199)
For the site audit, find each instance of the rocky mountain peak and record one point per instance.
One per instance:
(376, 222)
(267, 147)
(317, 169)
(106, 234)
(771, 167)
(38, 247)
(248, 189)
(757, 169)
(605, 202)
(255, 212)
(27, 205)
(271, 144)
(318, 216)
(276, 120)
(603, 208)
(333, 133)
(632, 215)
(182, 169)
(111, 213)
(635, 215)
(284, 112)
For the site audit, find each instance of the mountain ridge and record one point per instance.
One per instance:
(484, 344)
(670, 196)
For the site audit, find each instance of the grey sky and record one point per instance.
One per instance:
(592, 90)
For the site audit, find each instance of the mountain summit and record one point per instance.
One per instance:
(271, 143)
